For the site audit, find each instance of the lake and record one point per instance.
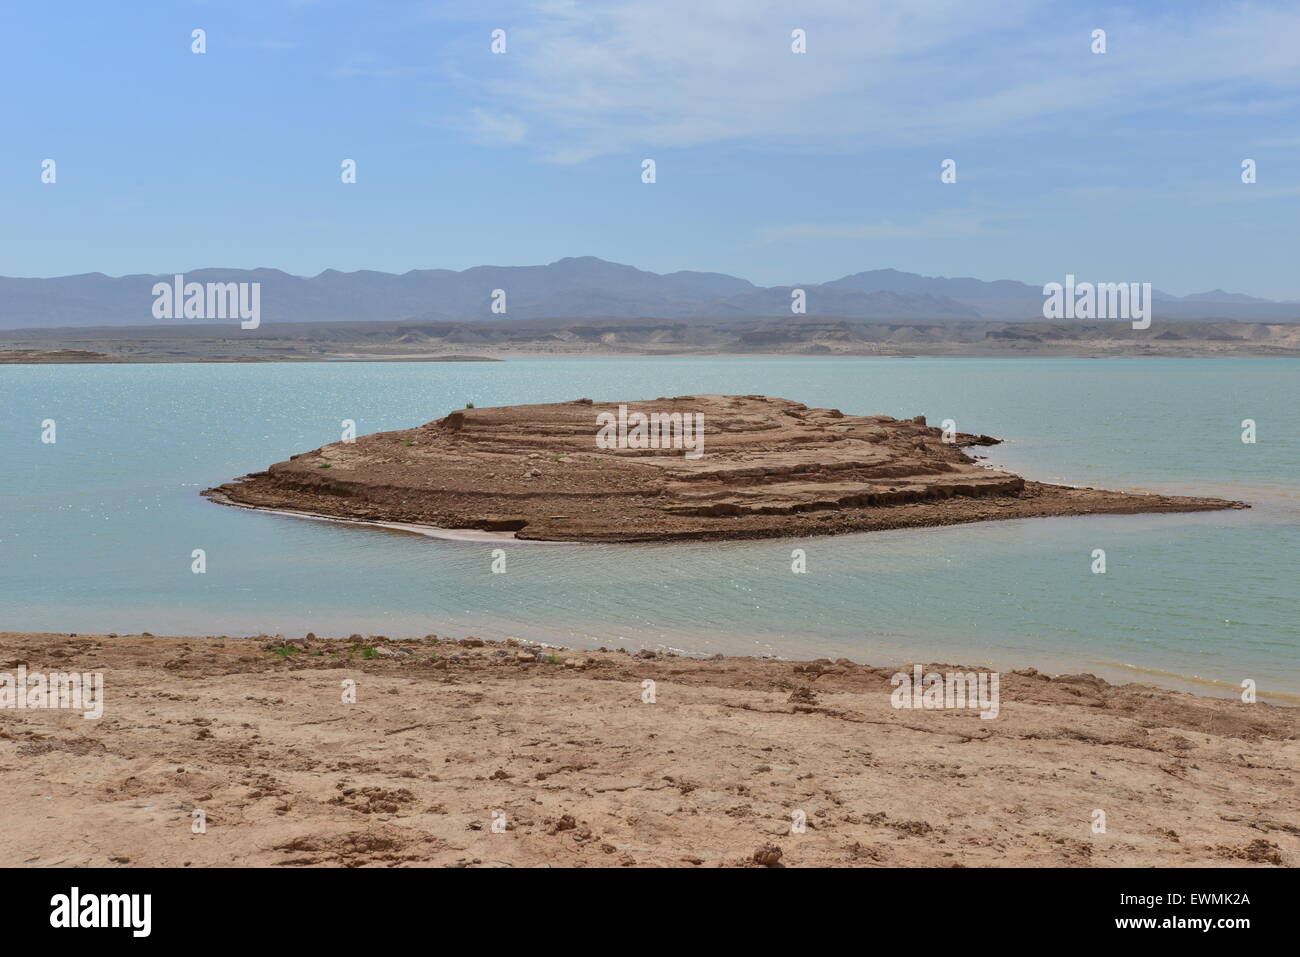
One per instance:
(98, 528)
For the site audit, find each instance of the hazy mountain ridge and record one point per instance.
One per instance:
(582, 287)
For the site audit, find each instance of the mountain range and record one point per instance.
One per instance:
(577, 287)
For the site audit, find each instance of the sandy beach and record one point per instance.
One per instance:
(472, 753)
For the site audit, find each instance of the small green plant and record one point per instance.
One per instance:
(553, 659)
(369, 651)
(409, 442)
(284, 651)
(327, 465)
(469, 405)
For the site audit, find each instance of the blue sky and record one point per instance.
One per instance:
(781, 168)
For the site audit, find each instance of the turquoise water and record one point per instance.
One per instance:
(96, 530)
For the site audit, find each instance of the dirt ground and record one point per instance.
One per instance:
(469, 753)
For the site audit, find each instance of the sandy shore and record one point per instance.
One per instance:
(583, 771)
(428, 531)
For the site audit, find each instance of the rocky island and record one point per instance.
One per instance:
(691, 467)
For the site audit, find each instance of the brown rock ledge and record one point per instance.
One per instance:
(770, 467)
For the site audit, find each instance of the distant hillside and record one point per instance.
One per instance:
(289, 341)
(578, 288)
(891, 280)
(1009, 299)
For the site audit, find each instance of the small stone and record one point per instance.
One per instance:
(769, 855)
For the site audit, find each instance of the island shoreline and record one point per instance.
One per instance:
(774, 468)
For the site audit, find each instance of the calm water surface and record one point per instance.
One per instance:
(96, 530)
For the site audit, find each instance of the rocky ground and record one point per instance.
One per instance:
(561, 748)
(767, 467)
(415, 340)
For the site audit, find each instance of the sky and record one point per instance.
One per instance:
(776, 166)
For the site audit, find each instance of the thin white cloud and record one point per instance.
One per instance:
(498, 127)
(949, 226)
(370, 66)
(592, 79)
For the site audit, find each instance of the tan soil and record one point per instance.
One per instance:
(771, 467)
(443, 734)
(53, 356)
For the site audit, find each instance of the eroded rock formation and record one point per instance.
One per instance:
(769, 467)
